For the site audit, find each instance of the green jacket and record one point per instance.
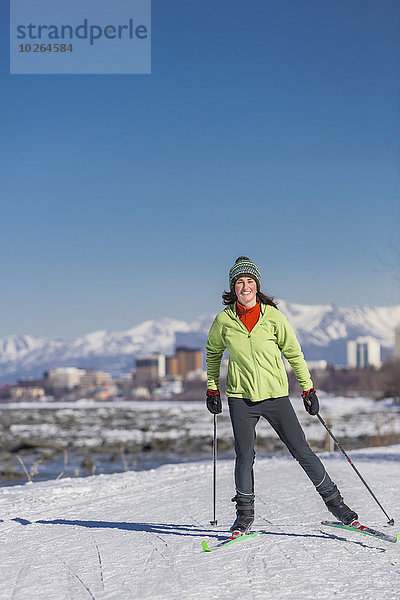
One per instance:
(256, 370)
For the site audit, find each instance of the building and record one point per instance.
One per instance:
(20, 392)
(70, 377)
(64, 377)
(364, 352)
(172, 365)
(184, 361)
(189, 359)
(149, 369)
(397, 342)
(92, 378)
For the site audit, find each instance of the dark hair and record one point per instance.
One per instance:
(231, 298)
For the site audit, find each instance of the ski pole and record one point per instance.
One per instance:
(390, 521)
(214, 521)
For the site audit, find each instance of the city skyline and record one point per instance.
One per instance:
(323, 334)
(267, 130)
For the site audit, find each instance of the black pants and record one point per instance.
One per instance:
(280, 415)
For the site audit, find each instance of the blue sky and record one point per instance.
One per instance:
(267, 128)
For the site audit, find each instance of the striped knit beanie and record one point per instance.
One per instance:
(244, 266)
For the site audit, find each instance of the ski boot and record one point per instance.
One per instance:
(244, 515)
(334, 503)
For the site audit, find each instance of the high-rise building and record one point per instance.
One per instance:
(189, 359)
(172, 365)
(184, 361)
(149, 368)
(364, 352)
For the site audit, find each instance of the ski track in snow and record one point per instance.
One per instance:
(137, 535)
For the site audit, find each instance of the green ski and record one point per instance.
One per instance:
(356, 526)
(230, 540)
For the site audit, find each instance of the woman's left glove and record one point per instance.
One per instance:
(311, 403)
(213, 402)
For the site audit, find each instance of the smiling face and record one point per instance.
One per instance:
(246, 291)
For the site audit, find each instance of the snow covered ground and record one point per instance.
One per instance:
(137, 535)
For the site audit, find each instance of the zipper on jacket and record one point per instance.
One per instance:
(256, 370)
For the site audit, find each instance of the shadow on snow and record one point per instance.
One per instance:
(184, 530)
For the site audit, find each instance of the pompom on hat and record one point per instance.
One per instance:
(244, 266)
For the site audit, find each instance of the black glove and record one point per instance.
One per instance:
(213, 402)
(311, 403)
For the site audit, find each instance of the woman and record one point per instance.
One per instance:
(256, 333)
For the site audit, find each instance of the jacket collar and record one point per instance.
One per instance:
(231, 310)
(241, 310)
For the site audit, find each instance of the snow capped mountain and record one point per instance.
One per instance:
(149, 336)
(321, 324)
(323, 331)
(17, 346)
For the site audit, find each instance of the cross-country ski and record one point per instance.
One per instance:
(235, 537)
(356, 526)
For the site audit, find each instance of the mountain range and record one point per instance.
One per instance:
(323, 331)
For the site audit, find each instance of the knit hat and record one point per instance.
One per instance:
(244, 266)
